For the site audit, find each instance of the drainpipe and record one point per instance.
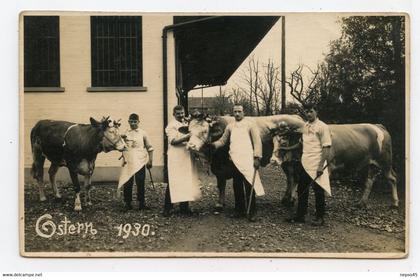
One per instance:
(165, 103)
(283, 64)
(165, 31)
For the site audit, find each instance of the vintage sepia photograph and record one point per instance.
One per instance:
(214, 135)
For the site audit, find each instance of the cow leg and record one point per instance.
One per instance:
(76, 186)
(371, 175)
(88, 187)
(221, 185)
(40, 185)
(294, 176)
(391, 176)
(52, 172)
(38, 169)
(287, 197)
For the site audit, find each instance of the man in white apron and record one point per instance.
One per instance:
(245, 151)
(138, 155)
(316, 139)
(183, 182)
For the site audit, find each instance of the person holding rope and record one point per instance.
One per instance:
(316, 139)
(245, 151)
(138, 156)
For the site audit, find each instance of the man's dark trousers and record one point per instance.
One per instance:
(303, 193)
(239, 182)
(128, 188)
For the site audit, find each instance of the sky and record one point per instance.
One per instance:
(307, 40)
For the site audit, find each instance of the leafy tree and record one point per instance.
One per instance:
(363, 77)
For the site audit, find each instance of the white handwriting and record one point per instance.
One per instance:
(45, 227)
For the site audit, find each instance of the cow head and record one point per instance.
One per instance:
(203, 129)
(111, 138)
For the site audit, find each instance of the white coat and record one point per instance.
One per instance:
(182, 171)
(315, 136)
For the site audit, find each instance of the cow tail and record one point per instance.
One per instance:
(36, 153)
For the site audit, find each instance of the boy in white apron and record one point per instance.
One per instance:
(183, 182)
(138, 156)
(316, 139)
(245, 151)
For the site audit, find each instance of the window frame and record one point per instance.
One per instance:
(33, 37)
(117, 41)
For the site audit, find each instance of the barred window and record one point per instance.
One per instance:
(116, 47)
(41, 51)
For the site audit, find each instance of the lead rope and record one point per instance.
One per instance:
(114, 144)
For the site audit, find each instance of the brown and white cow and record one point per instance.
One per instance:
(354, 146)
(74, 146)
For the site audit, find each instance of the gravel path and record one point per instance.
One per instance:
(376, 228)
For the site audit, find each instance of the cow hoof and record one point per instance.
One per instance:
(287, 203)
(58, 196)
(43, 198)
(78, 208)
(394, 206)
(361, 204)
(218, 208)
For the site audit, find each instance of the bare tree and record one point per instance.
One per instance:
(260, 91)
(239, 96)
(269, 90)
(252, 79)
(305, 93)
(222, 102)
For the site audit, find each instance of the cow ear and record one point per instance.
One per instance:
(117, 124)
(93, 122)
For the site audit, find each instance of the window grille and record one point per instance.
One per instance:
(116, 47)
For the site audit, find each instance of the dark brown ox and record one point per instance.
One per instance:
(205, 129)
(355, 147)
(75, 146)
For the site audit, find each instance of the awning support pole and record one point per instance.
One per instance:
(165, 86)
(283, 64)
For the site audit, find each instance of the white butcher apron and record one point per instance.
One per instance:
(311, 157)
(135, 157)
(184, 184)
(242, 154)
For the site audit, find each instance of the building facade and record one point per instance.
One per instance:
(80, 65)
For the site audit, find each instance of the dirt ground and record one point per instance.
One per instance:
(377, 228)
